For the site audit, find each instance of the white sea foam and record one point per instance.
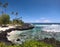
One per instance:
(14, 35)
(51, 28)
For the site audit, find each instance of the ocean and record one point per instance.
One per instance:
(39, 32)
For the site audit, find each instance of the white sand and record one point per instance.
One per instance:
(5, 28)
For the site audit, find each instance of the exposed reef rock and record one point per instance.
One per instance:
(3, 34)
(52, 41)
(3, 38)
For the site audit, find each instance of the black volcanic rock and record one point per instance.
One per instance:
(3, 34)
(25, 27)
(3, 38)
(52, 41)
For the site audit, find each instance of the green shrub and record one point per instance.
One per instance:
(34, 43)
(31, 43)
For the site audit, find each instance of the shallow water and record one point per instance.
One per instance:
(38, 33)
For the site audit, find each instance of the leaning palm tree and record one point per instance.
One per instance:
(19, 17)
(12, 13)
(5, 6)
(16, 14)
(1, 7)
(0, 3)
(2, 12)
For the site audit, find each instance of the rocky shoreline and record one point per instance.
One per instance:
(3, 33)
(3, 36)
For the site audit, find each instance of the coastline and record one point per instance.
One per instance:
(5, 30)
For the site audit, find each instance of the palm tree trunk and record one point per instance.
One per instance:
(5, 10)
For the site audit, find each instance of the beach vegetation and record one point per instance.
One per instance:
(4, 19)
(29, 43)
(17, 21)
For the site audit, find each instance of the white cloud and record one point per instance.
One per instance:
(46, 21)
(41, 20)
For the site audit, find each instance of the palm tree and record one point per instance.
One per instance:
(5, 6)
(2, 12)
(1, 8)
(0, 3)
(12, 13)
(16, 14)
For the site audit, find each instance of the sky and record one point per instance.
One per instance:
(38, 11)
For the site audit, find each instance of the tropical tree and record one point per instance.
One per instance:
(5, 19)
(19, 17)
(15, 13)
(5, 6)
(17, 21)
(12, 13)
(0, 3)
(1, 8)
(0, 20)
